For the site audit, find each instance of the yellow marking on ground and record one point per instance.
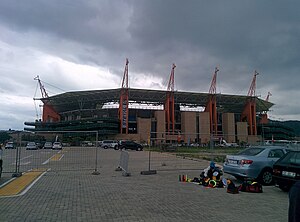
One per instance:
(19, 184)
(56, 157)
(39, 170)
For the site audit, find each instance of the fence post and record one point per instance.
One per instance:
(149, 171)
(17, 172)
(96, 172)
(211, 147)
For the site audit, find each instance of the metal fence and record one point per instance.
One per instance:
(78, 151)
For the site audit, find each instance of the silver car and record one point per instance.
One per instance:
(254, 163)
(57, 146)
(48, 145)
(31, 146)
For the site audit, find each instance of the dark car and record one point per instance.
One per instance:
(286, 171)
(127, 144)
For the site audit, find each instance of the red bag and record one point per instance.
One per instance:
(251, 187)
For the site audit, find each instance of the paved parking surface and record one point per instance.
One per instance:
(81, 196)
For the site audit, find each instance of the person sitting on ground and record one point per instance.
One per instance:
(212, 172)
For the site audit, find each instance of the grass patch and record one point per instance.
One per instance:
(228, 150)
(217, 154)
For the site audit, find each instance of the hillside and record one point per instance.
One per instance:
(294, 124)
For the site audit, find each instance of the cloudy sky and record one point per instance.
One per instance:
(82, 45)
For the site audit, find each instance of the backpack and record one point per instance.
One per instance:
(253, 187)
(231, 188)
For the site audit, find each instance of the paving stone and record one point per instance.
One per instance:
(81, 196)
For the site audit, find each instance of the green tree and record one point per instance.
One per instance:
(4, 136)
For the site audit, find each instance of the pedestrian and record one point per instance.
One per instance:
(294, 203)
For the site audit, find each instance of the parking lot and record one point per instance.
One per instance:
(75, 194)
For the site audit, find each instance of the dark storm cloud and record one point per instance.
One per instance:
(82, 21)
(154, 34)
(237, 36)
(90, 31)
(256, 34)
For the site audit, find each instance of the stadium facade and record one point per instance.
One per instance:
(99, 110)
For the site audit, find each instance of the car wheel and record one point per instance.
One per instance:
(105, 147)
(266, 177)
(116, 148)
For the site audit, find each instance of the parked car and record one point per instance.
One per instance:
(254, 163)
(10, 145)
(57, 146)
(39, 145)
(31, 146)
(286, 171)
(109, 144)
(127, 144)
(87, 143)
(48, 145)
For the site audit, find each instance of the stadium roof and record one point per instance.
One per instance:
(93, 99)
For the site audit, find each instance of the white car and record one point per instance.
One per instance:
(31, 146)
(10, 145)
(109, 144)
(57, 146)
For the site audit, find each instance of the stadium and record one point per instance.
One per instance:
(162, 116)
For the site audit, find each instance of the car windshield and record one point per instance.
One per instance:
(292, 158)
(251, 151)
(31, 144)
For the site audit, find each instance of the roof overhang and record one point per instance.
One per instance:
(96, 98)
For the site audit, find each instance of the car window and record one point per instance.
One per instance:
(292, 158)
(276, 153)
(251, 151)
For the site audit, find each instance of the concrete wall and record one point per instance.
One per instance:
(242, 131)
(144, 129)
(228, 127)
(189, 129)
(160, 125)
(204, 127)
(188, 126)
